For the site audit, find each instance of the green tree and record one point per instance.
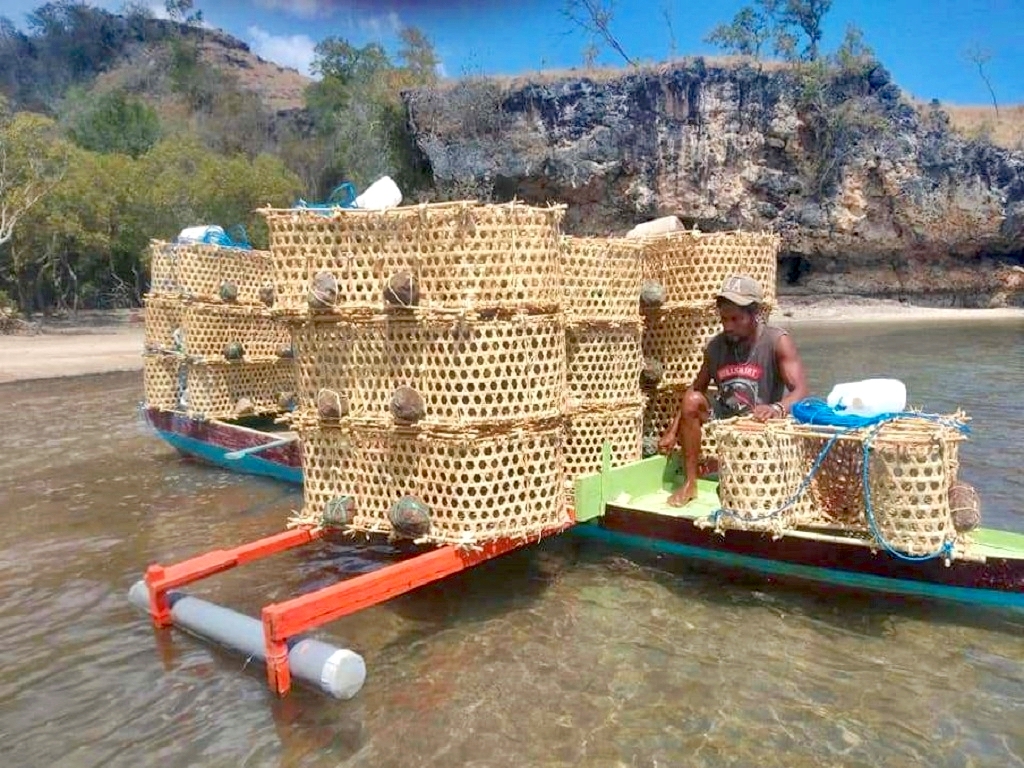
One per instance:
(807, 17)
(33, 160)
(116, 123)
(785, 24)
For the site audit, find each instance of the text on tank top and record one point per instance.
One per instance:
(745, 378)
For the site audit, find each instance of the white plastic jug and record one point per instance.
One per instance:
(383, 193)
(869, 397)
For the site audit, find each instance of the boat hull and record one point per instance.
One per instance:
(212, 441)
(997, 582)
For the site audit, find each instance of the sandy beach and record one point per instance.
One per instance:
(107, 342)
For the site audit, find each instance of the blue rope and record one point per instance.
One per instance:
(224, 240)
(342, 196)
(817, 412)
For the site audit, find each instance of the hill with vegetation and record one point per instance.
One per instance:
(115, 129)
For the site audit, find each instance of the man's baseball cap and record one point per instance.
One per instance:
(741, 290)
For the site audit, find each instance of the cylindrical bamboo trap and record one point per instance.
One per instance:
(603, 365)
(586, 432)
(460, 258)
(490, 373)
(601, 279)
(691, 266)
(468, 489)
(676, 339)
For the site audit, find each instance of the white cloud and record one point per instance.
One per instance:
(304, 9)
(295, 51)
(378, 25)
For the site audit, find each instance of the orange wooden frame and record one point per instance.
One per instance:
(284, 620)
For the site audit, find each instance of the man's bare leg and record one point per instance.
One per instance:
(695, 412)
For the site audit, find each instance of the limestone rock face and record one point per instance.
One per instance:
(885, 200)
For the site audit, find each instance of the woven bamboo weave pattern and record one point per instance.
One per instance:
(464, 257)
(677, 339)
(603, 364)
(164, 316)
(761, 467)
(209, 328)
(468, 373)
(909, 479)
(476, 489)
(215, 391)
(691, 266)
(586, 433)
(161, 382)
(163, 269)
(602, 278)
(202, 269)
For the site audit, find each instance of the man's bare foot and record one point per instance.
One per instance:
(684, 495)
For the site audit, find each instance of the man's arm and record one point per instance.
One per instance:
(791, 368)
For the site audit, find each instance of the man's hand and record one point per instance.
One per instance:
(765, 412)
(667, 442)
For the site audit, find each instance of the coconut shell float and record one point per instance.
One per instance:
(402, 290)
(407, 405)
(331, 406)
(409, 518)
(338, 512)
(323, 291)
(234, 351)
(268, 295)
(652, 295)
(286, 351)
(244, 407)
(228, 292)
(652, 373)
(965, 507)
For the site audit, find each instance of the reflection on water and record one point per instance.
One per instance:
(569, 653)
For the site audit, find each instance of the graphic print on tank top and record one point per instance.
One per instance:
(738, 388)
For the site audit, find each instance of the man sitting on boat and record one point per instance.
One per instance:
(756, 370)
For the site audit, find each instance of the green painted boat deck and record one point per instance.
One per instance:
(646, 485)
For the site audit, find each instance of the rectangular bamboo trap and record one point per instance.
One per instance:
(507, 485)
(210, 328)
(490, 373)
(164, 318)
(913, 466)
(230, 390)
(601, 279)
(163, 269)
(691, 266)
(462, 258)
(204, 269)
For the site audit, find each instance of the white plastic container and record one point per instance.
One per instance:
(382, 194)
(869, 397)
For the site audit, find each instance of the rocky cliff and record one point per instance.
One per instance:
(872, 195)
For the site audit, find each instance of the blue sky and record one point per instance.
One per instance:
(922, 42)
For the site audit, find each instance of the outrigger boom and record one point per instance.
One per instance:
(283, 622)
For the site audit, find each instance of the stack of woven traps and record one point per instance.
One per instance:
(430, 344)
(683, 272)
(602, 278)
(212, 348)
(909, 503)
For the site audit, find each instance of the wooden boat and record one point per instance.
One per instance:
(255, 446)
(627, 506)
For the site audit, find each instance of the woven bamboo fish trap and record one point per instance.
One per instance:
(163, 383)
(913, 465)
(677, 339)
(463, 258)
(602, 278)
(164, 330)
(210, 328)
(218, 390)
(761, 472)
(489, 373)
(204, 269)
(476, 488)
(587, 431)
(691, 266)
(603, 364)
(163, 269)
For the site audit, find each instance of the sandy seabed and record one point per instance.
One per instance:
(105, 343)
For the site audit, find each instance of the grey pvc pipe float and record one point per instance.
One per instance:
(337, 671)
